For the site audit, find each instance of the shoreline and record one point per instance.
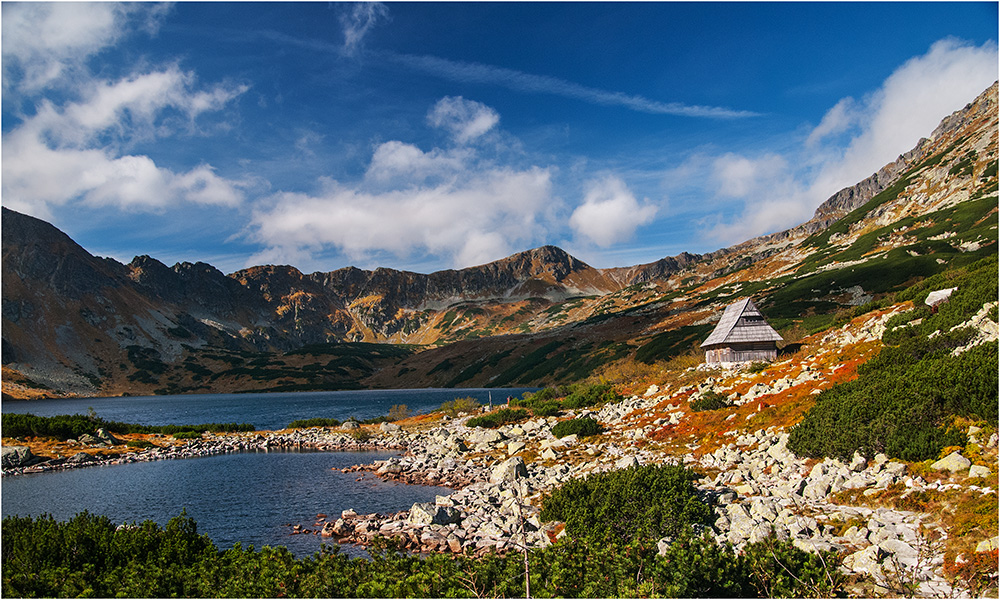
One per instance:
(497, 478)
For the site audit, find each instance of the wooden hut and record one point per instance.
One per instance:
(741, 336)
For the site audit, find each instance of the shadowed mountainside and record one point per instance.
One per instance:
(76, 323)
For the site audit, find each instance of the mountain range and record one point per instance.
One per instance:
(74, 323)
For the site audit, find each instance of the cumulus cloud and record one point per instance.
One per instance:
(909, 105)
(479, 217)
(465, 119)
(855, 138)
(396, 161)
(63, 153)
(358, 20)
(610, 213)
(46, 41)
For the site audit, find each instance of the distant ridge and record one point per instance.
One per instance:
(84, 324)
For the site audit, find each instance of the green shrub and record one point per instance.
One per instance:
(904, 399)
(65, 427)
(360, 435)
(579, 427)
(139, 444)
(186, 435)
(710, 401)
(647, 502)
(758, 366)
(458, 406)
(498, 418)
(585, 396)
(314, 422)
(546, 409)
(89, 556)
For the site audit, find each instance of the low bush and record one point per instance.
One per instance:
(710, 401)
(585, 396)
(90, 556)
(314, 422)
(647, 502)
(904, 401)
(498, 418)
(546, 409)
(550, 401)
(65, 427)
(459, 406)
(187, 435)
(139, 444)
(579, 427)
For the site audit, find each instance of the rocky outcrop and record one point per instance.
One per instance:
(16, 457)
(857, 195)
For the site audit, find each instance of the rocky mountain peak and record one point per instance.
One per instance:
(857, 195)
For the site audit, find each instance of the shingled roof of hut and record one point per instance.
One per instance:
(742, 322)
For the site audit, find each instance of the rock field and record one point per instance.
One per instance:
(756, 486)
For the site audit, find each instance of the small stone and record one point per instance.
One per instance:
(979, 471)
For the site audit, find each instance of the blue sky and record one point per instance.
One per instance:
(425, 136)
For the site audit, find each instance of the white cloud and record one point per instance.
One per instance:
(908, 106)
(465, 119)
(610, 213)
(46, 41)
(739, 176)
(770, 191)
(482, 216)
(837, 120)
(358, 20)
(57, 156)
(395, 161)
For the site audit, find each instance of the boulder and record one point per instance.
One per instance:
(509, 470)
(816, 490)
(428, 513)
(88, 440)
(348, 425)
(858, 463)
(867, 561)
(389, 427)
(903, 553)
(484, 436)
(663, 545)
(626, 462)
(14, 457)
(106, 437)
(954, 462)
(339, 528)
(80, 458)
(979, 471)
(514, 447)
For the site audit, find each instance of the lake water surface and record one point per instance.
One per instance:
(248, 498)
(264, 411)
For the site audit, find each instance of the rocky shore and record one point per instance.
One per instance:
(755, 485)
(18, 460)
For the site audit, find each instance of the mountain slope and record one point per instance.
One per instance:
(75, 322)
